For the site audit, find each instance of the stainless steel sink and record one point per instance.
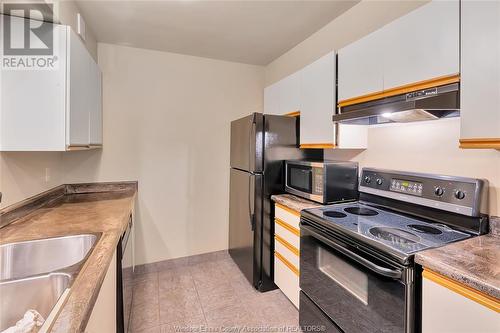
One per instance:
(23, 259)
(39, 293)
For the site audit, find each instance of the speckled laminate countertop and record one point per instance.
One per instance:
(474, 262)
(293, 202)
(105, 211)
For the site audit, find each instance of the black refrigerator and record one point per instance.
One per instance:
(259, 146)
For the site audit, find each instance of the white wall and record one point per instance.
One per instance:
(166, 124)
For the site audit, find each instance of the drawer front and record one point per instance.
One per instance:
(287, 215)
(286, 279)
(287, 250)
(287, 232)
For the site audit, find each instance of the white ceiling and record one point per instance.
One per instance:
(253, 32)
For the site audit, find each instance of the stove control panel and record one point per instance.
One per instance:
(466, 196)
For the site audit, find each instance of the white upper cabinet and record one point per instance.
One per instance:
(79, 93)
(290, 94)
(95, 105)
(480, 74)
(53, 109)
(317, 96)
(283, 97)
(271, 99)
(360, 70)
(422, 45)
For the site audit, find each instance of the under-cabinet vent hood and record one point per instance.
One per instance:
(425, 104)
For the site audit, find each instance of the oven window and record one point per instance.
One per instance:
(300, 178)
(345, 274)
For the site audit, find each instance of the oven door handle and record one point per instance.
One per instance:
(391, 273)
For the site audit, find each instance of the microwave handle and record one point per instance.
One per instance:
(395, 274)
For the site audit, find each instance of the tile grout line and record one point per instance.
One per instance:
(198, 297)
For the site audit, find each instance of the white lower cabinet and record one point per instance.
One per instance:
(103, 316)
(287, 252)
(449, 307)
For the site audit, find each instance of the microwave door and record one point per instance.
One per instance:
(247, 143)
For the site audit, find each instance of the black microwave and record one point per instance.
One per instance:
(322, 181)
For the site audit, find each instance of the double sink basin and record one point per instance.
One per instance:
(35, 274)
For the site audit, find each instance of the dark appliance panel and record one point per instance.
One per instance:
(354, 289)
(247, 137)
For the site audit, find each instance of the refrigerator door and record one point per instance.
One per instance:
(245, 216)
(280, 143)
(247, 143)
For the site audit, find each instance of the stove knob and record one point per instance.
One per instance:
(459, 194)
(379, 181)
(368, 179)
(439, 191)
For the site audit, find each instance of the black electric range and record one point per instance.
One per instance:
(357, 271)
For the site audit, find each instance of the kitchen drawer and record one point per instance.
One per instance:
(287, 250)
(287, 215)
(286, 277)
(287, 232)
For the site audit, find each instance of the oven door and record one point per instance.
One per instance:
(357, 291)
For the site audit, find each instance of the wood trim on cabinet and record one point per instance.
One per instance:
(438, 81)
(317, 146)
(480, 143)
(288, 209)
(466, 291)
(293, 114)
(288, 264)
(288, 227)
(289, 246)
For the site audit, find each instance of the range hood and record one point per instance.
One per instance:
(426, 104)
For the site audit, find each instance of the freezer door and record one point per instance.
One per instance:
(247, 143)
(245, 213)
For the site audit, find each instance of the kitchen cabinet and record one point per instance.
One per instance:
(404, 55)
(422, 45)
(317, 96)
(448, 306)
(318, 104)
(480, 74)
(360, 70)
(283, 97)
(53, 109)
(103, 316)
(287, 252)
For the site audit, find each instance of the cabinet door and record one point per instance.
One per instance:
(289, 94)
(103, 316)
(480, 74)
(33, 102)
(271, 99)
(422, 45)
(360, 67)
(317, 91)
(444, 310)
(95, 105)
(78, 93)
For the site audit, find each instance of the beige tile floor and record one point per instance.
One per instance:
(209, 295)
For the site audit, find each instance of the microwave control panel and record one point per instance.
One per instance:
(317, 181)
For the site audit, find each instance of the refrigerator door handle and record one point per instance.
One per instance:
(251, 152)
(251, 201)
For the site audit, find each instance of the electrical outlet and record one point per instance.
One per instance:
(47, 175)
